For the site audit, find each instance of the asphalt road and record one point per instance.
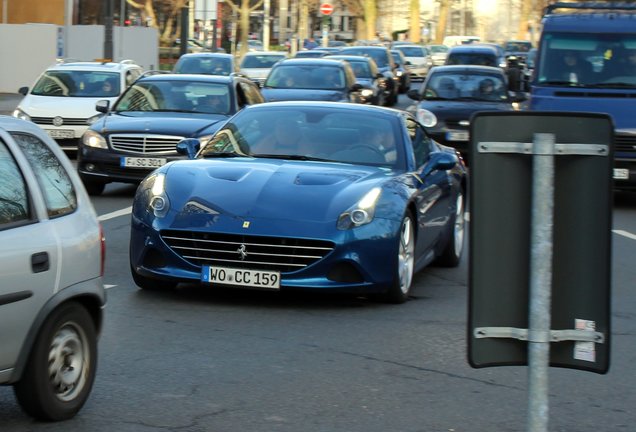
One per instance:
(196, 359)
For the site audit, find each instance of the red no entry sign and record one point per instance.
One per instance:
(326, 8)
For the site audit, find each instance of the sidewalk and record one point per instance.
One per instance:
(8, 102)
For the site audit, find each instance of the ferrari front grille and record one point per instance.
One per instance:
(244, 251)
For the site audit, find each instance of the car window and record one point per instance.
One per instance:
(479, 86)
(422, 144)
(252, 94)
(260, 61)
(412, 51)
(472, 58)
(14, 201)
(69, 83)
(57, 188)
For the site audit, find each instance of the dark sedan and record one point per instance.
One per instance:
(383, 58)
(451, 94)
(367, 74)
(312, 80)
(141, 131)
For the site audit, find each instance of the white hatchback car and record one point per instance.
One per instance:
(62, 100)
(51, 269)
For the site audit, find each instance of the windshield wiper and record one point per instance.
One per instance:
(560, 83)
(223, 155)
(291, 157)
(612, 85)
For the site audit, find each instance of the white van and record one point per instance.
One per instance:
(451, 41)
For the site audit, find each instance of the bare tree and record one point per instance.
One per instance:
(243, 12)
(366, 12)
(171, 8)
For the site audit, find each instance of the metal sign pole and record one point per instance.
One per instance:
(540, 280)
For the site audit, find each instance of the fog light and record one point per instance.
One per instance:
(89, 167)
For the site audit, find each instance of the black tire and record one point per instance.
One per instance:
(60, 371)
(452, 253)
(151, 284)
(94, 188)
(401, 288)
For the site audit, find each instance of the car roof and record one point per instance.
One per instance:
(615, 21)
(349, 57)
(310, 61)
(397, 47)
(364, 47)
(467, 68)
(260, 53)
(95, 66)
(328, 105)
(188, 77)
(473, 48)
(207, 55)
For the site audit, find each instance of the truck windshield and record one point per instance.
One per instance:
(587, 60)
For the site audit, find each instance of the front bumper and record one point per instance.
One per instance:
(105, 166)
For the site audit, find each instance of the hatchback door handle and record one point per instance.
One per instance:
(40, 262)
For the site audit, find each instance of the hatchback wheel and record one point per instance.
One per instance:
(60, 371)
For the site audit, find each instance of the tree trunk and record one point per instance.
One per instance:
(524, 18)
(441, 25)
(415, 32)
(370, 17)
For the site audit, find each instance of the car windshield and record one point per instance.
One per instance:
(204, 65)
(306, 77)
(471, 58)
(361, 69)
(69, 83)
(412, 51)
(518, 46)
(462, 86)
(261, 61)
(436, 49)
(380, 56)
(177, 96)
(311, 133)
(587, 60)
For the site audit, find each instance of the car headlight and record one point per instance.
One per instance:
(426, 118)
(366, 92)
(21, 114)
(159, 202)
(93, 139)
(361, 213)
(399, 73)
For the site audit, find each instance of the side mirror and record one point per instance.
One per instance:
(440, 161)
(356, 87)
(414, 94)
(23, 91)
(102, 106)
(189, 147)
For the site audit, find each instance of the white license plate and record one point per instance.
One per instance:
(457, 136)
(61, 133)
(140, 162)
(621, 174)
(241, 277)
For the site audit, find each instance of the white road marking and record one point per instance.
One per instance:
(625, 234)
(115, 214)
(106, 286)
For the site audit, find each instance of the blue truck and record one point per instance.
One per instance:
(587, 62)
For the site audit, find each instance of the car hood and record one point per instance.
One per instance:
(68, 107)
(273, 94)
(256, 72)
(269, 188)
(462, 109)
(184, 124)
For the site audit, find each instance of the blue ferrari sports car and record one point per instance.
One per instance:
(302, 196)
